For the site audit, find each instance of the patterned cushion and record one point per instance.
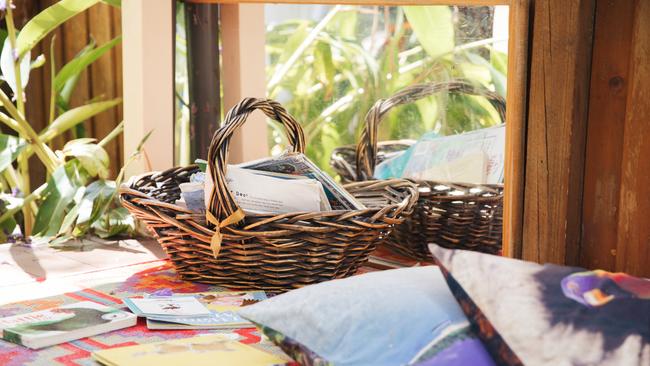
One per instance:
(396, 317)
(532, 314)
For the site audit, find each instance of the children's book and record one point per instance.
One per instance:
(167, 307)
(223, 307)
(213, 349)
(63, 324)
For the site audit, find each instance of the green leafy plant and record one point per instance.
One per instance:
(77, 198)
(329, 73)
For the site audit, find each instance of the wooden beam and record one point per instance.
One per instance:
(610, 80)
(372, 2)
(147, 47)
(633, 249)
(557, 117)
(244, 74)
(516, 129)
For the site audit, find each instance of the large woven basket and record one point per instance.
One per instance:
(268, 252)
(452, 215)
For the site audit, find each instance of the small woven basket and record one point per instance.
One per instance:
(452, 215)
(268, 252)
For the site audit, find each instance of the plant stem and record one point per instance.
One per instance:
(20, 125)
(113, 134)
(26, 202)
(23, 161)
(52, 75)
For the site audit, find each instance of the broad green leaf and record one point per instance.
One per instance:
(476, 73)
(96, 200)
(10, 147)
(499, 60)
(72, 214)
(498, 78)
(59, 193)
(78, 64)
(433, 27)
(64, 95)
(7, 227)
(7, 67)
(116, 222)
(47, 20)
(428, 108)
(75, 116)
(93, 158)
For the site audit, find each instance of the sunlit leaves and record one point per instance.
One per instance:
(46, 21)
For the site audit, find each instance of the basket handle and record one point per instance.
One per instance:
(366, 153)
(222, 207)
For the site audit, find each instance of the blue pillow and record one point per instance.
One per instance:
(396, 317)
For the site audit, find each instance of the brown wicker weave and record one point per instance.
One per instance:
(269, 252)
(462, 216)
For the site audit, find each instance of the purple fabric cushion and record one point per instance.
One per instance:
(521, 313)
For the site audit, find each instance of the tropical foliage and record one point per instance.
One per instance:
(328, 73)
(78, 198)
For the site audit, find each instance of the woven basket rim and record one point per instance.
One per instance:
(128, 188)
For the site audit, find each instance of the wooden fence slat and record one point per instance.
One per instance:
(633, 250)
(116, 30)
(608, 97)
(75, 33)
(102, 77)
(557, 117)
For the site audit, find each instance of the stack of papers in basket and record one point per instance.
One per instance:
(205, 310)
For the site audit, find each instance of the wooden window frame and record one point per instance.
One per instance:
(149, 100)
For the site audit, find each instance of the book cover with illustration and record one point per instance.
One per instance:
(63, 324)
(223, 306)
(213, 349)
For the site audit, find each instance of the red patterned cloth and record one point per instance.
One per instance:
(108, 288)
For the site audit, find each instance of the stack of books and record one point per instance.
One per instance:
(205, 310)
(63, 324)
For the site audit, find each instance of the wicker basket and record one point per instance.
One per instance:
(268, 252)
(452, 215)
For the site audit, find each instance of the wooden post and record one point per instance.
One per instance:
(243, 74)
(556, 134)
(202, 32)
(148, 72)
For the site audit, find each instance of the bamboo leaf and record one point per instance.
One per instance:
(47, 20)
(7, 66)
(10, 148)
(75, 116)
(87, 56)
(58, 194)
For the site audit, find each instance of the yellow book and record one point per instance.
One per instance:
(213, 349)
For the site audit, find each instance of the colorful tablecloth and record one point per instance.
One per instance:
(78, 352)
(108, 287)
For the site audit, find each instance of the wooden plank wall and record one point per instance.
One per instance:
(103, 79)
(616, 233)
(560, 55)
(587, 190)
